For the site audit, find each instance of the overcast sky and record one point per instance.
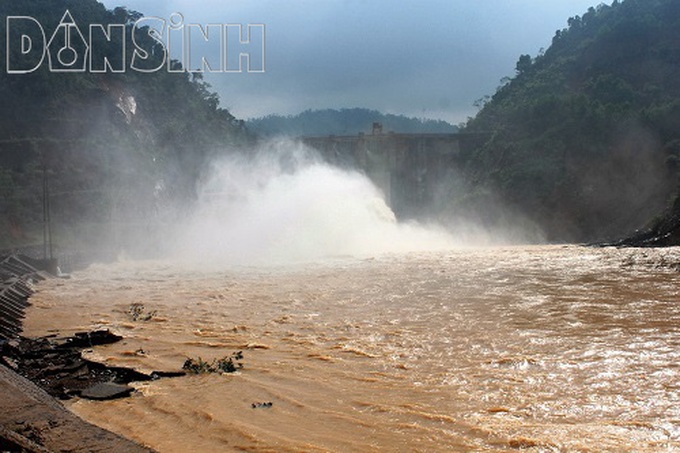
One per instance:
(424, 58)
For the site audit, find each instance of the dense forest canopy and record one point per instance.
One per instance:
(121, 151)
(343, 122)
(586, 136)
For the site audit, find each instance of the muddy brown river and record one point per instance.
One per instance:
(544, 348)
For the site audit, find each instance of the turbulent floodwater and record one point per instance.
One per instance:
(546, 348)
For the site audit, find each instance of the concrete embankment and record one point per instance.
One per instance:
(17, 276)
(33, 421)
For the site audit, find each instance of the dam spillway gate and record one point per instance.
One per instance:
(410, 169)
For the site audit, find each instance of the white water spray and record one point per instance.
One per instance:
(286, 206)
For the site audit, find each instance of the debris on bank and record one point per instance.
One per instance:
(229, 364)
(58, 367)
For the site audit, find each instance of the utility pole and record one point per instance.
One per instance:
(48, 252)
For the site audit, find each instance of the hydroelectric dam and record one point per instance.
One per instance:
(410, 169)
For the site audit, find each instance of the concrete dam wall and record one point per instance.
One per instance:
(408, 168)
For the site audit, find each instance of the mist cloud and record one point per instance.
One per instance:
(283, 205)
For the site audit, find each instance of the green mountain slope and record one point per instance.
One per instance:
(585, 139)
(343, 122)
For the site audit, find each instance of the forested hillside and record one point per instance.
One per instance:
(343, 122)
(120, 152)
(585, 138)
